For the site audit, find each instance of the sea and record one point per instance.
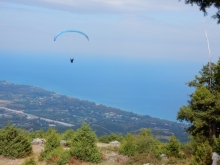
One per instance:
(147, 87)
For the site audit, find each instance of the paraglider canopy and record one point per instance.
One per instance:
(65, 31)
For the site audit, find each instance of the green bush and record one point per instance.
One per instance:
(144, 141)
(158, 149)
(202, 155)
(63, 158)
(29, 161)
(58, 156)
(52, 143)
(104, 139)
(216, 146)
(116, 137)
(127, 147)
(84, 145)
(14, 142)
(36, 134)
(172, 160)
(111, 137)
(142, 148)
(68, 135)
(188, 148)
(173, 147)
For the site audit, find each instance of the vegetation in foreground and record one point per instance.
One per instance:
(81, 148)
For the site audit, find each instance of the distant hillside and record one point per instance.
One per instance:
(34, 108)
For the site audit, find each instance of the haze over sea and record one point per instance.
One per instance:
(139, 56)
(149, 87)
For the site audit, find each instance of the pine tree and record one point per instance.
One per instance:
(14, 142)
(84, 145)
(203, 109)
(52, 143)
(202, 155)
(144, 141)
(68, 134)
(173, 146)
(128, 146)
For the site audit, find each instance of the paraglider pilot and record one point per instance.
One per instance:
(71, 60)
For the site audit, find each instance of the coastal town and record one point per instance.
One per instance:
(35, 108)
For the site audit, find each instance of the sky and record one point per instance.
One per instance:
(140, 29)
(124, 30)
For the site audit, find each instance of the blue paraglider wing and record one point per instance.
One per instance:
(64, 31)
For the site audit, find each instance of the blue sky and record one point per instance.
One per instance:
(123, 28)
(167, 34)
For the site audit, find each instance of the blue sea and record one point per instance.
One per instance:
(148, 87)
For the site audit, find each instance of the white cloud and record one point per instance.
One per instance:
(103, 6)
(116, 27)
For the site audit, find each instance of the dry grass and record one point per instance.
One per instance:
(109, 153)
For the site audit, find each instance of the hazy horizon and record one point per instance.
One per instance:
(143, 87)
(141, 51)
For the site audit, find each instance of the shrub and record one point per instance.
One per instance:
(37, 134)
(144, 141)
(104, 139)
(188, 148)
(84, 145)
(111, 137)
(29, 161)
(68, 134)
(158, 149)
(14, 142)
(216, 146)
(52, 143)
(64, 158)
(173, 147)
(58, 156)
(172, 160)
(202, 155)
(128, 146)
(117, 137)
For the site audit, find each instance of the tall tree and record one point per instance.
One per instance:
(204, 4)
(203, 109)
